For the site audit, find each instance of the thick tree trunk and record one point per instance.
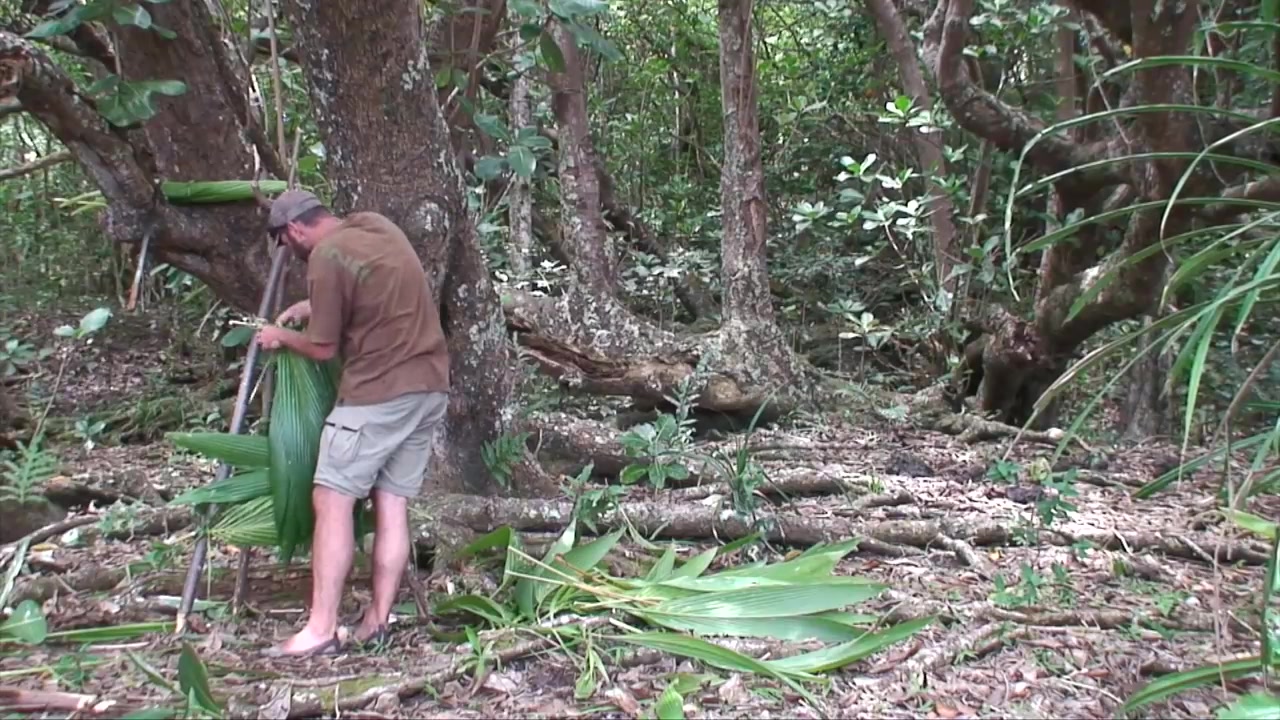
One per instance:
(1144, 414)
(749, 334)
(1020, 358)
(389, 150)
(200, 135)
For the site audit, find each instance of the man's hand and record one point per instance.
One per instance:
(274, 337)
(297, 312)
(271, 337)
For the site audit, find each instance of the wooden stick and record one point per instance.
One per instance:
(142, 265)
(201, 551)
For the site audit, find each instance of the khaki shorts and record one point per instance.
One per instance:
(384, 446)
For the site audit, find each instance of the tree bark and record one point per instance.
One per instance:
(580, 208)
(749, 332)
(200, 135)
(928, 151)
(371, 85)
(520, 246)
(1021, 358)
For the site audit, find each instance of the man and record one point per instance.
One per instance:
(369, 300)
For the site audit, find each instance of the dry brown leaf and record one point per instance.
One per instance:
(731, 692)
(501, 682)
(625, 701)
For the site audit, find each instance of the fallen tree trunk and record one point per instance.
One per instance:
(459, 516)
(697, 521)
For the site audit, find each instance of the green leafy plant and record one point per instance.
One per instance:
(25, 473)
(502, 454)
(16, 354)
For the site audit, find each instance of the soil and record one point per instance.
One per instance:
(1118, 593)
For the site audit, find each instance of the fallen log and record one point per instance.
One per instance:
(466, 515)
(701, 522)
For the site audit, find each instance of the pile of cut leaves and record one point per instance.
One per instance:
(680, 608)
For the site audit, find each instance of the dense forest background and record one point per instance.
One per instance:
(954, 311)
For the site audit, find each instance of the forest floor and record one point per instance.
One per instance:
(1117, 593)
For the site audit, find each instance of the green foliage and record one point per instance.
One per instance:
(16, 354)
(25, 473)
(124, 102)
(25, 625)
(796, 599)
(305, 392)
(121, 13)
(502, 454)
(91, 323)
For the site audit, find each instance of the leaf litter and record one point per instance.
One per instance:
(1117, 593)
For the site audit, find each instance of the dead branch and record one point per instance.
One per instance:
(21, 700)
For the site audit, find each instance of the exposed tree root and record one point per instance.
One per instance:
(566, 444)
(1106, 619)
(593, 344)
(1203, 547)
(976, 643)
(38, 702)
(797, 482)
(973, 429)
(159, 522)
(709, 521)
(696, 521)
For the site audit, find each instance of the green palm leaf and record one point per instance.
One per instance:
(242, 451)
(235, 489)
(248, 524)
(305, 392)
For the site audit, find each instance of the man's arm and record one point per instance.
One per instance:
(299, 343)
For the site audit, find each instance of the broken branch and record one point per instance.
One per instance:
(47, 161)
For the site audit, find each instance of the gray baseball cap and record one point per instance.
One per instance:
(286, 208)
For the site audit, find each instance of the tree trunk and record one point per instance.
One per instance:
(390, 151)
(1144, 414)
(928, 148)
(1020, 358)
(520, 246)
(580, 209)
(200, 135)
(749, 336)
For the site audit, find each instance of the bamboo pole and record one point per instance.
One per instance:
(201, 552)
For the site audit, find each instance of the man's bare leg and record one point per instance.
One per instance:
(390, 555)
(332, 548)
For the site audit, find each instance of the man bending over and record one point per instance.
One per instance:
(370, 301)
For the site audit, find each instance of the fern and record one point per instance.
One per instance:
(25, 473)
(501, 456)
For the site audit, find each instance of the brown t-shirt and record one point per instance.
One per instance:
(371, 297)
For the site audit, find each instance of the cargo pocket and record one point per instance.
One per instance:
(341, 443)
